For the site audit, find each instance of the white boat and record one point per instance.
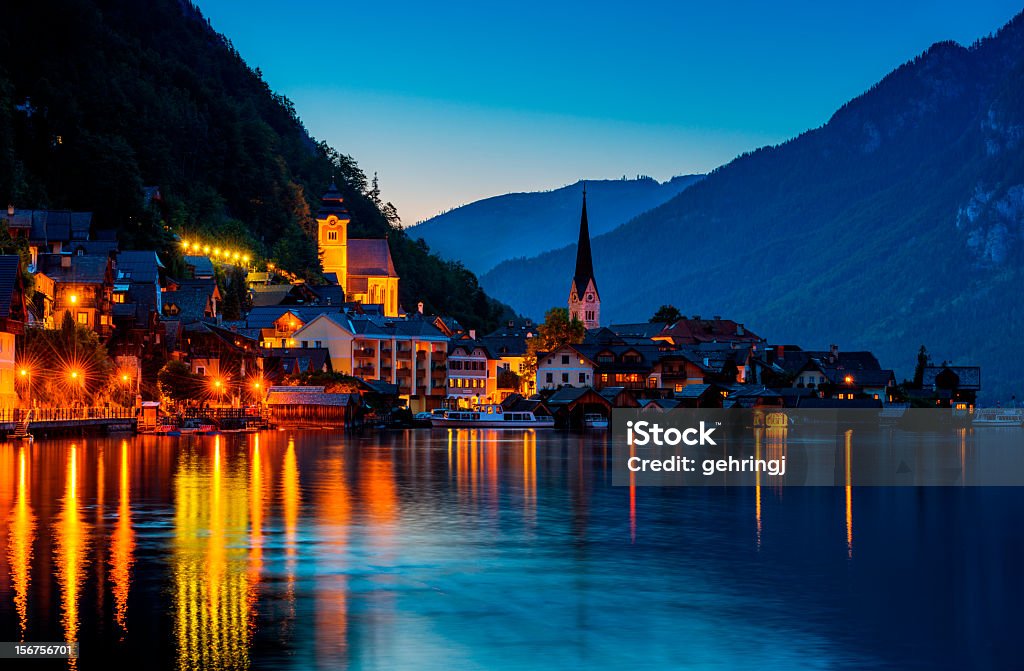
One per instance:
(998, 417)
(595, 421)
(492, 417)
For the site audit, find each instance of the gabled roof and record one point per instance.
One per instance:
(505, 345)
(638, 330)
(969, 376)
(83, 269)
(307, 396)
(201, 266)
(690, 331)
(271, 294)
(139, 266)
(370, 257)
(50, 225)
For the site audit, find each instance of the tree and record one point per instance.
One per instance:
(556, 331)
(666, 314)
(69, 364)
(922, 361)
(178, 382)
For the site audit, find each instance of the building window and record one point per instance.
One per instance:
(565, 359)
(565, 378)
(83, 318)
(200, 370)
(604, 377)
(590, 297)
(679, 387)
(583, 377)
(652, 382)
(305, 344)
(317, 343)
(549, 377)
(119, 298)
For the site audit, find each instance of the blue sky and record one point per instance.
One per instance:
(451, 102)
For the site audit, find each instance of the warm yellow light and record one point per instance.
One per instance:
(206, 249)
(848, 379)
(216, 251)
(124, 378)
(217, 384)
(74, 375)
(24, 372)
(184, 243)
(245, 257)
(257, 385)
(74, 298)
(236, 256)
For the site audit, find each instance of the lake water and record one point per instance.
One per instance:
(486, 550)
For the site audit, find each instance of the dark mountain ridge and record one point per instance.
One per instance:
(525, 224)
(99, 98)
(899, 222)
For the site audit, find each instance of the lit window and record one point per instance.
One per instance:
(83, 318)
(679, 388)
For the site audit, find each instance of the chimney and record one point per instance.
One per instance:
(65, 261)
(696, 318)
(472, 334)
(780, 352)
(833, 352)
(419, 307)
(10, 210)
(718, 318)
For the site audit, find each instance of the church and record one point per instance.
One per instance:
(363, 267)
(584, 301)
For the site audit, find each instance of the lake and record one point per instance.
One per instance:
(486, 550)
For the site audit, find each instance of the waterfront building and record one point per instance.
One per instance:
(13, 315)
(472, 373)
(82, 285)
(564, 367)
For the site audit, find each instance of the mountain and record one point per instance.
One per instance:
(899, 222)
(525, 224)
(99, 98)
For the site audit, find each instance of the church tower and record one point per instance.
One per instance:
(584, 301)
(332, 238)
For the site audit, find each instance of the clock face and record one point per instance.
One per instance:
(333, 221)
(574, 296)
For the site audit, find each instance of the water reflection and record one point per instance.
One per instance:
(70, 548)
(122, 546)
(19, 545)
(211, 582)
(321, 550)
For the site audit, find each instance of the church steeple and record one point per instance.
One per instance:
(584, 301)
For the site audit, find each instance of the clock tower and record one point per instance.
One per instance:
(332, 237)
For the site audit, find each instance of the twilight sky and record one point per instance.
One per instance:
(454, 101)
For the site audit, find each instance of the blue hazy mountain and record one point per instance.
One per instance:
(900, 222)
(489, 231)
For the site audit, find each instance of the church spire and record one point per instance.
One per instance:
(584, 301)
(584, 259)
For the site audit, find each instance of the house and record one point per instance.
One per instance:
(953, 385)
(630, 366)
(83, 286)
(137, 305)
(410, 353)
(48, 231)
(311, 404)
(472, 373)
(13, 315)
(190, 300)
(280, 363)
(511, 376)
(564, 367)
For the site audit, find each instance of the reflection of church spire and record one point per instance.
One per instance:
(584, 301)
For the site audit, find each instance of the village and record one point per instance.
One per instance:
(346, 352)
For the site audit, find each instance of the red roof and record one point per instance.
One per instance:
(695, 331)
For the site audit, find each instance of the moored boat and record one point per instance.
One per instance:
(998, 417)
(595, 421)
(491, 417)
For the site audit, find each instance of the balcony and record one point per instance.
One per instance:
(364, 352)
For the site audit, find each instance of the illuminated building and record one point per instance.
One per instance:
(363, 267)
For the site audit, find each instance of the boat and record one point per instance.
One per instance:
(998, 417)
(491, 416)
(595, 421)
